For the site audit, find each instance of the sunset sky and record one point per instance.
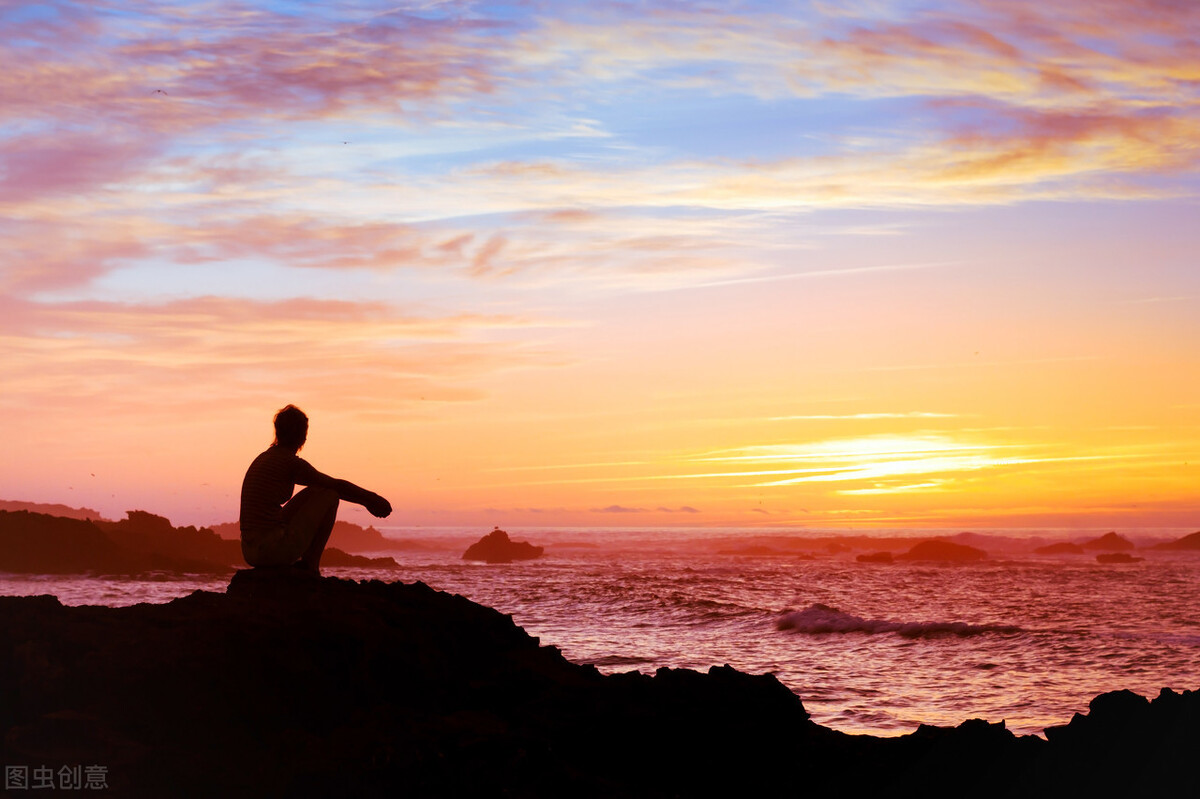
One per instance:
(754, 264)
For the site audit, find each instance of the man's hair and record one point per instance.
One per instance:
(291, 427)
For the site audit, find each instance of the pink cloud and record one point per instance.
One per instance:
(58, 251)
(174, 69)
(38, 165)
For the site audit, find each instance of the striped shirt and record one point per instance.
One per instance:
(269, 483)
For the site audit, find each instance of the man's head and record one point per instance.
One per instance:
(291, 428)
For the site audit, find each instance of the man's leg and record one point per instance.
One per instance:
(315, 510)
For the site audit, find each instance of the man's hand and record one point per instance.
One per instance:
(378, 506)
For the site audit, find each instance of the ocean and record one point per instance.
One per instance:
(873, 648)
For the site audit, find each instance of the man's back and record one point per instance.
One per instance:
(269, 483)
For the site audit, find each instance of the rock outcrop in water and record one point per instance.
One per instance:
(1109, 542)
(945, 551)
(495, 547)
(1188, 542)
(1061, 548)
(294, 686)
(1117, 557)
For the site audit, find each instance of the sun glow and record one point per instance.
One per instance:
(866, 458)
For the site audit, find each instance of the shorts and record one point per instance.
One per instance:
(286, 543)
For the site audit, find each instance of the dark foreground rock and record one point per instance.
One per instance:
(295, 686)
(495, 547)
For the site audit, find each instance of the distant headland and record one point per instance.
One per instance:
(57, 539)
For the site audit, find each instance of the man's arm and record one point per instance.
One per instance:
(377, 505)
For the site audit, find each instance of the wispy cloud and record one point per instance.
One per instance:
(626, 509)
(866, 416)
(884, 463)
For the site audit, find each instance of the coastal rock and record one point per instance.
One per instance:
(1141, 744)
(1109, 542)
(1188, 542)
(336, 558)
(945, 551)
(42, 544)
(35, 543)
(495, 547)
(291, 685)
(141, 531)
(1117, 557)
(876, 557)
(1061, 548)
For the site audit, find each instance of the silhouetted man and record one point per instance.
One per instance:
(279, 529)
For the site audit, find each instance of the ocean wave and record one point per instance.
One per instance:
(820, 619)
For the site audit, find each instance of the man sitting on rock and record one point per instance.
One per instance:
(279, 529)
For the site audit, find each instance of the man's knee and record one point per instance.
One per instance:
(327, 496)
(315, 494)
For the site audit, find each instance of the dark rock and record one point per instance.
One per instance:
(1117, 557)
(1109, 542)
(1062, 548)
(40, 544)
(876, 557)
(142, 542)
(1143, 745)
(146, 532)
(294, 685)
(495, 547)
(943, 551)
(1188, 542)
(336, 557)
(37, 543)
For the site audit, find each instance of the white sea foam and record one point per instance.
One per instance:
(821, 619)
